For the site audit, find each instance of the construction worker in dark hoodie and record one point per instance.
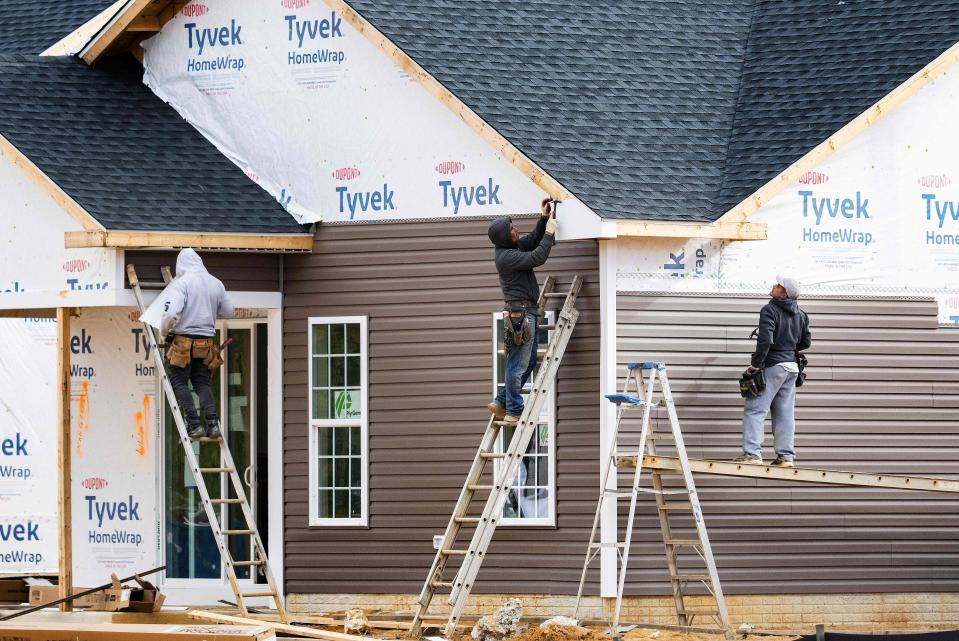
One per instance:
(191, 304)
(783, 332)
(516, 256)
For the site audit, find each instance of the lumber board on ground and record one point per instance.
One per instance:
(44, 631)
(799, 474)
(298, 630)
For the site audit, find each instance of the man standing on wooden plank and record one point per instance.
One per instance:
(188, 309)
(783, 333)
(516, 256)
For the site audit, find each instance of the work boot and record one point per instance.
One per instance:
(212, 427)
(749, 459)
(497, 410)
(195, 431)
(512, 419)
(781, 462)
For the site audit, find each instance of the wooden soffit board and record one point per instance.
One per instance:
(178, 240)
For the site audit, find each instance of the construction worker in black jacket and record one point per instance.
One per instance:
(783, 333)
(516, 256)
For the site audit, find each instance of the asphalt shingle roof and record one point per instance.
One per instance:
(33, 27)
(123, 154)
(667, 109)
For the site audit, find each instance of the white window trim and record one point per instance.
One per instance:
(551, 422)
(363, 520)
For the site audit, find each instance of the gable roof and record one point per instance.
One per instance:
(626, 103)
(669, 109)
(32, 27)
(123, 155)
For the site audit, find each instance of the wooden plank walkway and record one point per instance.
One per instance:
(802, 475)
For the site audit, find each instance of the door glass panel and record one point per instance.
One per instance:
(239, 368)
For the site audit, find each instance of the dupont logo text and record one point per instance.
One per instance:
(76, 265)
(813, 178)
(195, 10)
(934, 181)
(346, 173)
(450, 167)
(294, 4)
(836, 220)
(94, 483)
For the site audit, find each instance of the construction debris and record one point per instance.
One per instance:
(356, 622)
(503, 624)
(560, 621)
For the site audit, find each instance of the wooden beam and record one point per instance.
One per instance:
(53, 190)
(114, 30)
(295, 630)
(74, 41)
(64, 504)
(175, 240)
(145, 24)
(28, 313)
(503, 146)
(844, 136)
(725, 231)
(802, 475)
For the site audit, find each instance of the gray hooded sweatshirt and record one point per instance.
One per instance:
(196, 299)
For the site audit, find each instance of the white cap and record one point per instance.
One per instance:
(791, 285)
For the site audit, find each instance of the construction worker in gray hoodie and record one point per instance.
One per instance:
(783, 332)
(193, 302)
(516, 256)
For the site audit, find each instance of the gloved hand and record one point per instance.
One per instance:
(752, 370)
(546, 207)
(551, 226)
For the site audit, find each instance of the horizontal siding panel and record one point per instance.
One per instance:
(877, 401)
(430, 292)
(251, 272)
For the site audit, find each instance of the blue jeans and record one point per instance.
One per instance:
(780, 398)
(520, 361)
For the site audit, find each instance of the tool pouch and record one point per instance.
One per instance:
(516, 328)
(178, 354)
(209, 351)
(801, 362)
(752, 385)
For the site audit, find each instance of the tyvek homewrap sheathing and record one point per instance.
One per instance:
(114, 438)
(322, 119)
(881, 216)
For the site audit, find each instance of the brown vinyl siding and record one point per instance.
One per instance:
(881, 397)
(429, 290)
(242, 272)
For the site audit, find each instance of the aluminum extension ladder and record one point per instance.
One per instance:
(683, 501)
(228, 467)
(503, 475)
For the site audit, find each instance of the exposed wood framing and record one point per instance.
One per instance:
(725, 231)
(145, 24)
(64, 503)
(68, 204)
(504, 147)
(295, 630)
(28, 313)
(119, 24)
(176, 240)
(851, 130)
(803, 475)
(74, 41)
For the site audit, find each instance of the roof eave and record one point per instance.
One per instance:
(737, 230)
(179, 240)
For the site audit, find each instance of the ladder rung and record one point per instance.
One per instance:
(607, 545)
(231, 501)
(556, 295)
(248, 563)
(215, 470)
(690, 577)
(237, 532)
(440, 584)
(648, 490)
(476, 488)
(683, 542)
(251, 595)
(618, 494)
(492, 455)
(206, 439)
(698, 613)
(675, 506)
(467, 519)
(455, 552)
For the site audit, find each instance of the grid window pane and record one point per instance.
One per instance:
(321, 341)
(339, 471)
(353, 338)
(321, 404)
(321, 371)
(337, 339)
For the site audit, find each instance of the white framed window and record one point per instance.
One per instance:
(339, 420)
(532, 500)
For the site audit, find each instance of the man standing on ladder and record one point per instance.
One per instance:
(189, 307)
(516, 257)
(783, 332)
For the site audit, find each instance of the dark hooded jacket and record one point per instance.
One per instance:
(515, 261)
(783, 331)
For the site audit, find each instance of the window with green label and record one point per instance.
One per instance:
(338, 420)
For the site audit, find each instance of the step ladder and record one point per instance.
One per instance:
(503, 474)
(670, 502)
(212, 505)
